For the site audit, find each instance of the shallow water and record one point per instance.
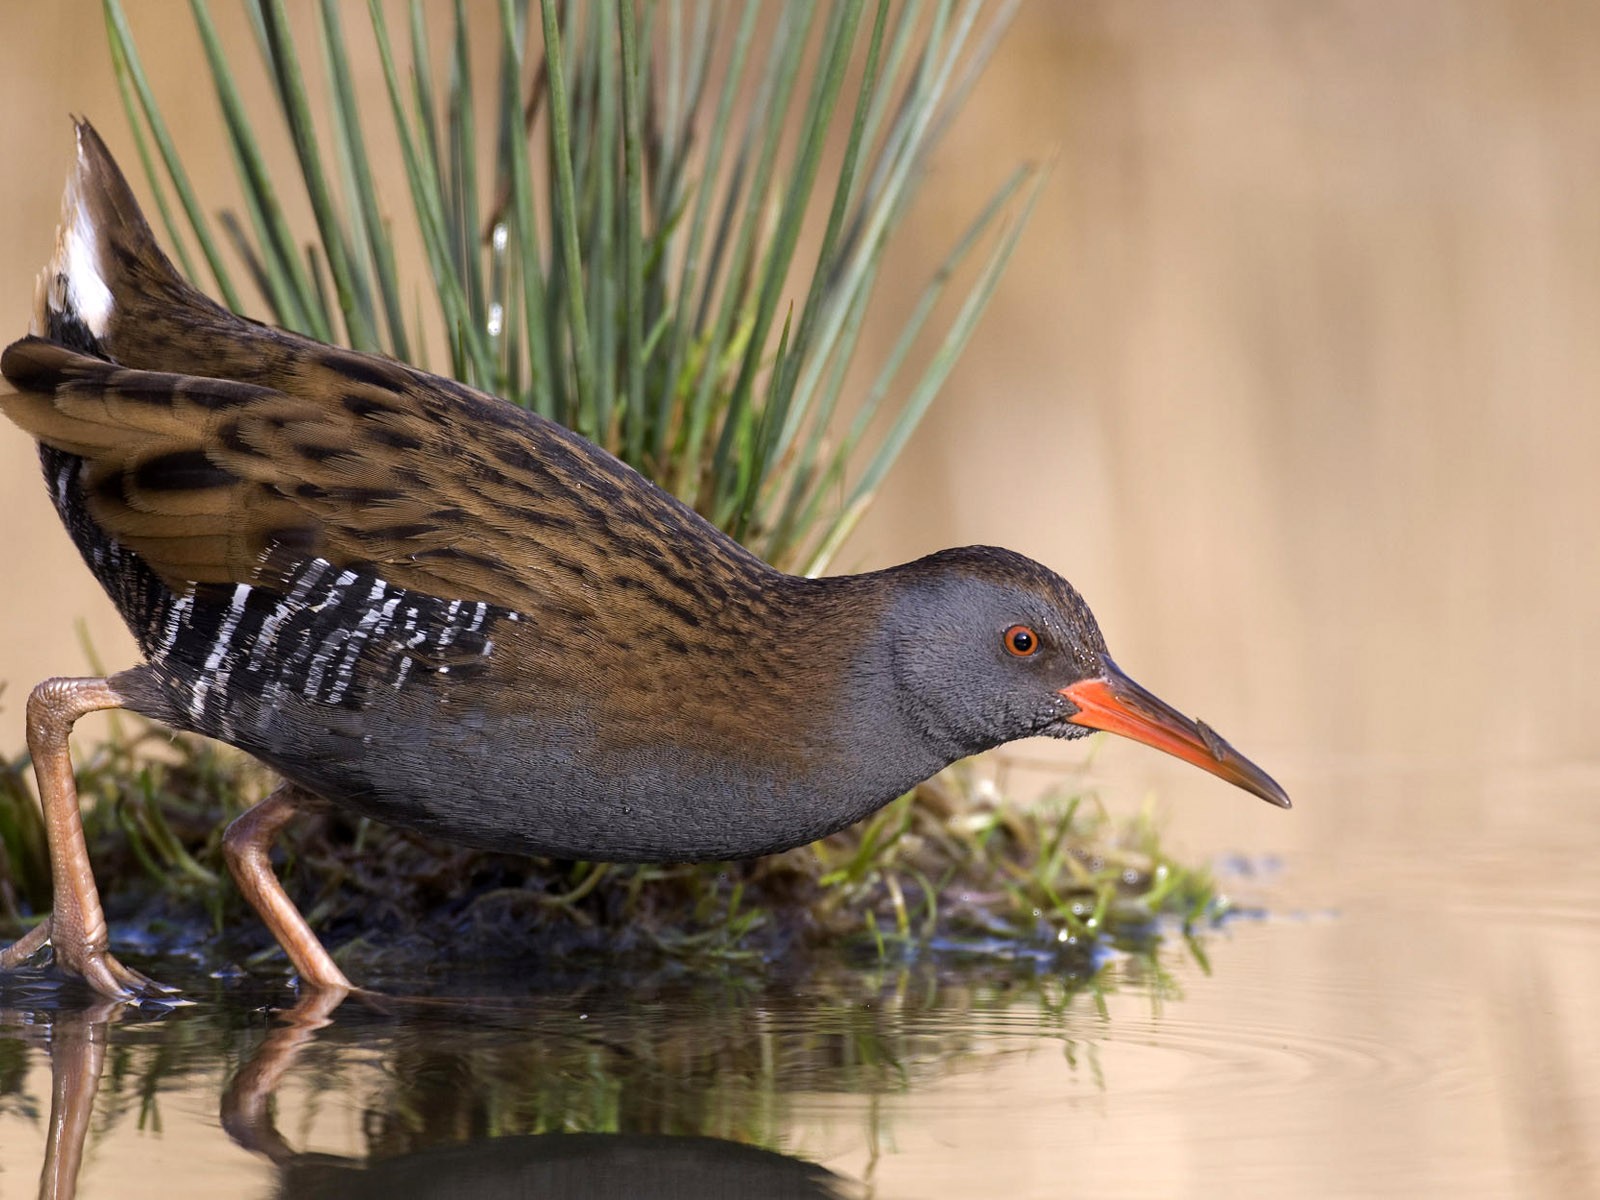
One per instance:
(1411, 1017)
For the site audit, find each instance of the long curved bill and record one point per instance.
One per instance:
(1116, 704)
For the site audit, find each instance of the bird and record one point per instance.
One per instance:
(426, 605)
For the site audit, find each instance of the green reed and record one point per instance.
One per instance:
(613, 219)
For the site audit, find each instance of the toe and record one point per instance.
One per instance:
(99, 969)
(109, 977)
(136, 983)
(25, 947)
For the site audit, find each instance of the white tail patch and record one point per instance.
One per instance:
(75, 281)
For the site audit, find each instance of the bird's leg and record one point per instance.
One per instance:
(78, 1043)
(247, 1109)
(76, 927)
(245, 847)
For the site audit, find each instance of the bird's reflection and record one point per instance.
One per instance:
(568, 1165)
(559, 1164)
(563, 1164)
(76, 1039)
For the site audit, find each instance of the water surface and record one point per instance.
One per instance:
(1410, 1018)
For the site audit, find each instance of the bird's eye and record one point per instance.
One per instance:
(1021, 641)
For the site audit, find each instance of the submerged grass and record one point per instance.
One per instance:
(948, 869)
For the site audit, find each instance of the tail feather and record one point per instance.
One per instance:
(73, 288)
(108, 273)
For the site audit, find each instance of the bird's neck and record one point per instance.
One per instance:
(874, 730)
(787, 688)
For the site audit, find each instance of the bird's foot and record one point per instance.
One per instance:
(75, 956)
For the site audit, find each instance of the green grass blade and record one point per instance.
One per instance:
(128, 55)
(912, 95)
(286, 285)
(854, 265)
(764, 130)
(751, 155)
(804, 479)
(566, 209)
(906, 147)
(319, 278)
(363, 189)
(785, 414)
(633, 234)
(543, 393)
(837, 42)
(669, 145)
(246, 250)
(685, 332)
(999, 22)
(296, 105)
(464, 162)
(944, 359)
(846, 451)
(602, 270)
(134, 113)
(358, 238)
(422, 92)
(473, 359)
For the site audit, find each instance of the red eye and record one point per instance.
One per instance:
(1021, 641)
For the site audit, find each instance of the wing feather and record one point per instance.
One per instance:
(204, 478)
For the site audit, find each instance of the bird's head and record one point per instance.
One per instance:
(989, 646)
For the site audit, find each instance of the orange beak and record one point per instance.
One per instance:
(1117, 704)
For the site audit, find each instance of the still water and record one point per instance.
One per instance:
(1407, 1018)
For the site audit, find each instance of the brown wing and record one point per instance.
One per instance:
(220, 450)
(211, 481)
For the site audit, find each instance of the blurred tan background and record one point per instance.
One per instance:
(1294, 373)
